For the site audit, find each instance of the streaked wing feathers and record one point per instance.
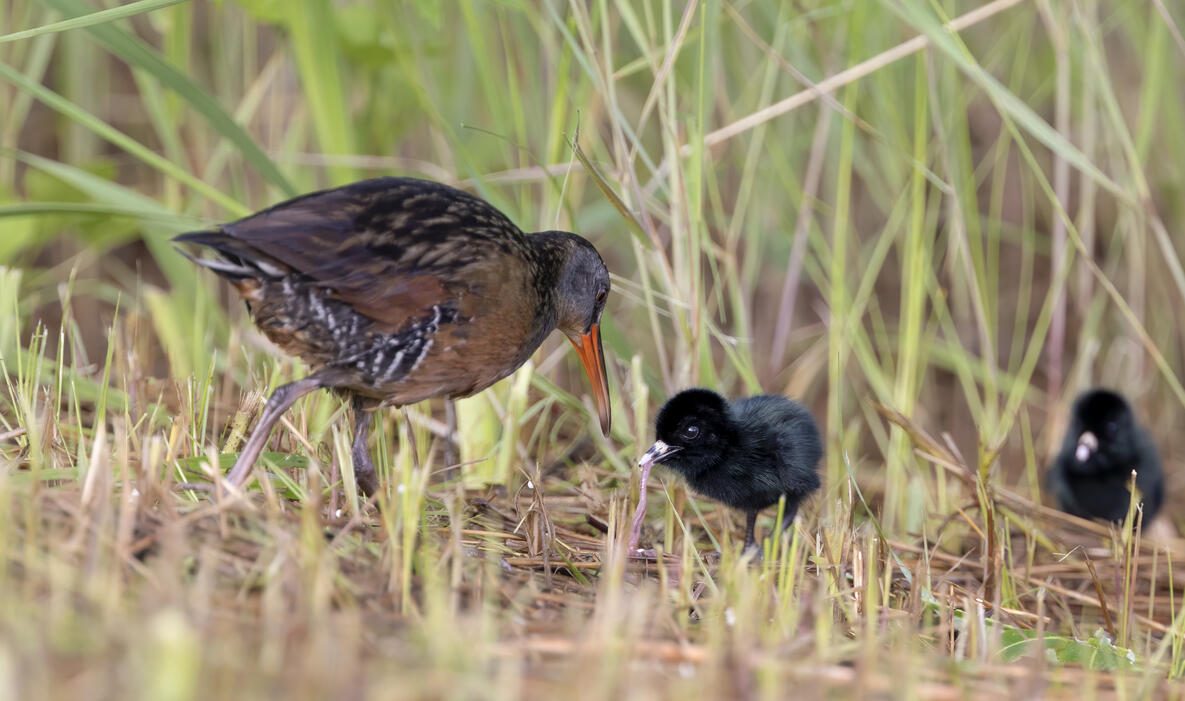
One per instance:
(389, 247)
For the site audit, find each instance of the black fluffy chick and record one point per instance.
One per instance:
(1103, 444)
(746, 454)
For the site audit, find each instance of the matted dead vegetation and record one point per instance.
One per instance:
(934, 223)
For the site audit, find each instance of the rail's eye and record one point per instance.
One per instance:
(690, 432)
(601, 296)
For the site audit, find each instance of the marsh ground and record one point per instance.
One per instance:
(935, 239)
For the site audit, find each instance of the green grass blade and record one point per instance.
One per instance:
(139, 55)
(100, 17)
(77, 114)
(916, 14)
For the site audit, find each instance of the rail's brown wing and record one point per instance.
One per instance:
(390, 247)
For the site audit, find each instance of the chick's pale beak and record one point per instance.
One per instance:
(657, 452)
(588, 346)
(1088, 443)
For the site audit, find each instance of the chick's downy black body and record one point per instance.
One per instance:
(396, 290)
(1103, 444)
(746, 454)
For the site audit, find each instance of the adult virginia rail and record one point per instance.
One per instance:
(1103, 444)
(396, 290)
(747, 454)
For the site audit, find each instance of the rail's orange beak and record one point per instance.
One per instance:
(588, 346)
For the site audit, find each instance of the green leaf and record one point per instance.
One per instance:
(17, 230)
(267, 11)
(86, 119)
(227, 461)
(46, 208)
(364, 41)
(109, 15)
(25, 477)
(1096, 652)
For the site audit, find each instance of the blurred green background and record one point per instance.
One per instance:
(969, 234)
(838, 201)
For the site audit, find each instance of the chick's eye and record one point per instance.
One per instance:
(1112, 426)
(690, 432)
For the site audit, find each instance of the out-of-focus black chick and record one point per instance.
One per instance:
(746, 454)
(1103, 444)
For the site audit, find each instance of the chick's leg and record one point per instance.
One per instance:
(788, 514)
(364, 472)
(750, 527)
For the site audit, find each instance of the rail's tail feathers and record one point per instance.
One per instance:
(236, 261)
